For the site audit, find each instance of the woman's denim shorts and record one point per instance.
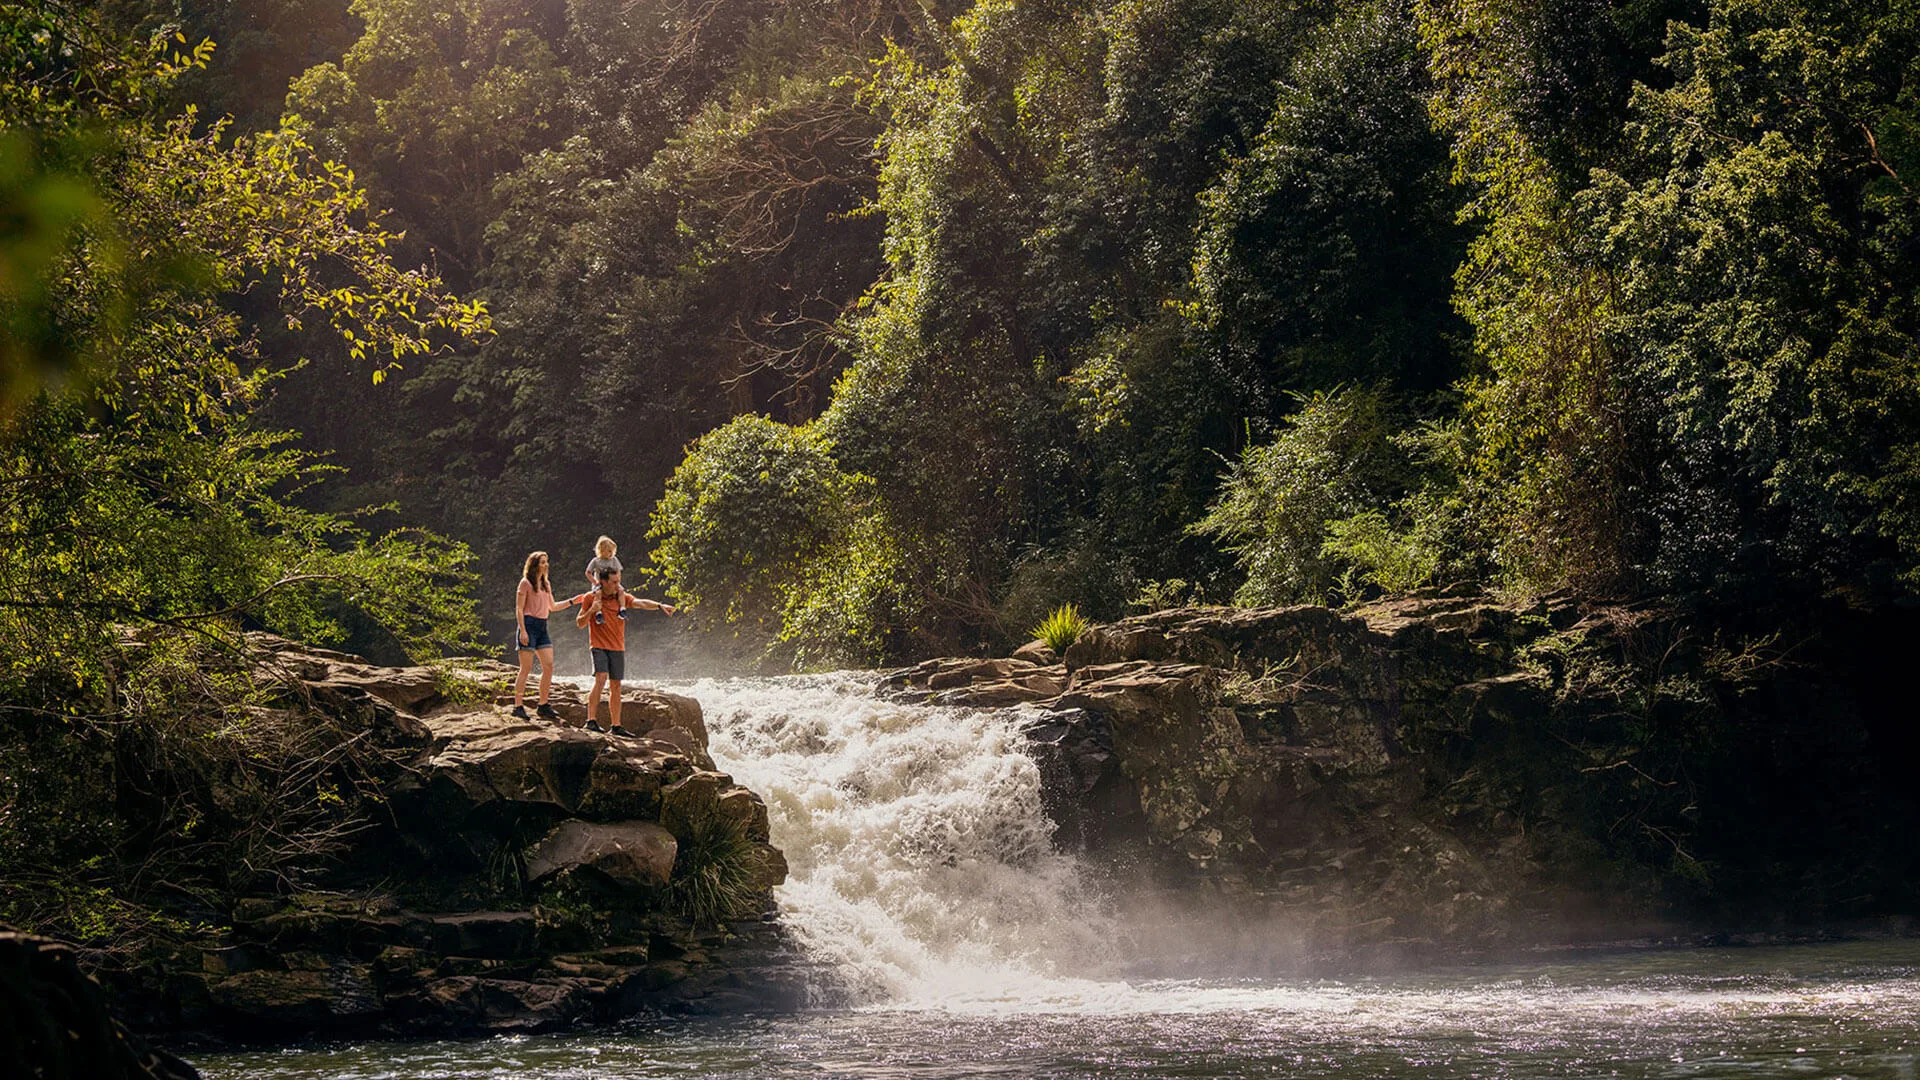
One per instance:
(537, 638)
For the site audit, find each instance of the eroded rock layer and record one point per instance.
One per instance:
(521, 874)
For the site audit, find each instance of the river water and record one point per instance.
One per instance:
(953, 941)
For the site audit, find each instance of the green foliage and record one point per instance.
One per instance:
(1691, 377)
(853, 604)
(1278, 503)
(179, 783)
(661, 210)
(715, 871)
(1061, 628)
(1080, 566)
(1324, 252)
(1019, 276)
(753, 503)
(1788, 393)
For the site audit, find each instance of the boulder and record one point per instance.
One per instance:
(1091, 802)
(57, 1024)
(638, 854)
(456, 790)
(994, 695)
(495, 935)
(1036, 652)
(414, 689)
(303, 1000)
(772, 866)
(506, 1005)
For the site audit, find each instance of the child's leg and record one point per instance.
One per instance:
(520, 681)
(546, 676)
(613, 702)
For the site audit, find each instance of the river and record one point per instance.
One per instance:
(954, 941)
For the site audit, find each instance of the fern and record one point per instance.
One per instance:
(1062, 628)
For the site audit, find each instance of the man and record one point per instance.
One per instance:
(603, 612)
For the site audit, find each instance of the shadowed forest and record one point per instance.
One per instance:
(892, 326)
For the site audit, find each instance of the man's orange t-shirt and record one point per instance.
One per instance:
(610, 631)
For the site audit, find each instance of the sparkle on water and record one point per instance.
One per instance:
(953, 941)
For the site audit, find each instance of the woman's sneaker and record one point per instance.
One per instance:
(520, 711)
(620, 729)
(594, 726)
(545, 712)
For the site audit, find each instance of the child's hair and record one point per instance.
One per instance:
(606, 547)
(533, 575)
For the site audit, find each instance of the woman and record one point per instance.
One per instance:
(532, 603)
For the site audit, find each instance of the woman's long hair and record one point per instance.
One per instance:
(533, 575)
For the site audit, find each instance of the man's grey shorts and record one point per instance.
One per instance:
(610, 662)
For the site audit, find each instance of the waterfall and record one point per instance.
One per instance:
(922, 870)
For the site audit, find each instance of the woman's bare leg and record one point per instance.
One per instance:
(546, 674)
(520, 683)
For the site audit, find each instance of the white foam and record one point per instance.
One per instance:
(923, 877)
(921, 864)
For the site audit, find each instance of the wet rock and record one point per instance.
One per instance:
(498, 935)
(505, 1005)
(1182, 751)
(1092, 803)
(772, 866)
(305, 1000)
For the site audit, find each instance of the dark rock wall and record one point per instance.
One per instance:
(55, 1023)
(1445, 769)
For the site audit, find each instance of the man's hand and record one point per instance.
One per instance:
(667, 608)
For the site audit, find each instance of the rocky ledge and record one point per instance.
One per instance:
(1443, 772)
(518, 875)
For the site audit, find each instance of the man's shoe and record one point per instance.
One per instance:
(619, 730)
(520, 711)
(594, 726)
(545, 712)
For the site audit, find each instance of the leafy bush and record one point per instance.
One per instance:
(852, 605)
(1081, 567)
(1167, 593)
(187, 780)
(1335, 459)
(752, 505)
(1062, 628)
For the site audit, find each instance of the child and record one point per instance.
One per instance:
(603, 613)
(602, 560)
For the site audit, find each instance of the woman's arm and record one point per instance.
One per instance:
(520, 610)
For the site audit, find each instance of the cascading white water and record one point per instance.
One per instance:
(922, 870)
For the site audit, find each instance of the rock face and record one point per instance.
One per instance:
(521, 876)
(634, 853)
(1360, 778)
(54, 1021)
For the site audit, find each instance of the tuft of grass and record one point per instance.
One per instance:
(715, 872)
(1062, 628)
(460, 687)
